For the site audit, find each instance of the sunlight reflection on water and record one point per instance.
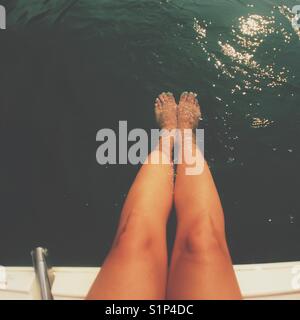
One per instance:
(247, 37)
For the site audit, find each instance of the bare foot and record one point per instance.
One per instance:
(166, 111)
(189, 112)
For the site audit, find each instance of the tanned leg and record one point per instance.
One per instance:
(136, 266)
(201, 267)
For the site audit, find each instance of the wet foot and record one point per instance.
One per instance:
(189, 112)
(166, 111)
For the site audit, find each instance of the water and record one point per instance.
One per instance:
(69, 68)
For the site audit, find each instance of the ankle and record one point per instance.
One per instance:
(186, 136)
(166, 145)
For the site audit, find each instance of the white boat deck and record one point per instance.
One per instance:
(257, 281)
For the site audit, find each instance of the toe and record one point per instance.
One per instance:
(191, 97)
(184, 96)
(163, 97)
(158, 103)
(170, 97)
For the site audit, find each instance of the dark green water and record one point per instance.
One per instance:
(69, 68)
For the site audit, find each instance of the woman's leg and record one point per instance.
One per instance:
(136, 267)
(201, 266)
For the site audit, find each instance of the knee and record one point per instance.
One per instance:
(136, 237)
(202, 239)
